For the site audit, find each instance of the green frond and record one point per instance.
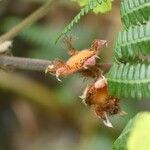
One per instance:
(129, 76)
(134, 12)
(90, 6)
(130, 80)
(133, 43)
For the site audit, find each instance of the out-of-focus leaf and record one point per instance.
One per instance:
(139, 138)
(103, 8)
(120, 143)
(136, 135)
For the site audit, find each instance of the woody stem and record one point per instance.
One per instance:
(33, 64)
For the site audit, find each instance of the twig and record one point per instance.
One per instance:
(33, 64)
(23, 63)
(42, 11)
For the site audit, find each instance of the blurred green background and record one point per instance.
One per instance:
(36, 111)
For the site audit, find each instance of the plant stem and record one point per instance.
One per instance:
(38, 14)
(33, 64)
(23, 63)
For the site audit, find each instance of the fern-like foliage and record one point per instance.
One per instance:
(135, 12)
(130, 80)
(133, 43)
(89, 7)
(129, 76)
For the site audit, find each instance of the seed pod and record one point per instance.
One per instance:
(97, 97)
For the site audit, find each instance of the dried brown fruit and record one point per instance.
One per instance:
(79, 60)
(97, 97)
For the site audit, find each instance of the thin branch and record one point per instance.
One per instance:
(23, 63)
(38, 14)
(33, 64)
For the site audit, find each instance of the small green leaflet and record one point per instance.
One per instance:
(106, 5)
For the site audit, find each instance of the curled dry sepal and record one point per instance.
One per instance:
(96, 95)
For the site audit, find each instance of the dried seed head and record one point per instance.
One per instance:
(96, 96)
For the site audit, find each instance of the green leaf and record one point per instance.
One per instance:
(133, 43)
(136, 135)
(140, 135)
(120, 143)
(101, 8)
(135, 12)
(130, 81)
(105, 7)
(129, 76)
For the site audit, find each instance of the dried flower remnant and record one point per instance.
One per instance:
(96, 96)
(79, 60)
(92, 72)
